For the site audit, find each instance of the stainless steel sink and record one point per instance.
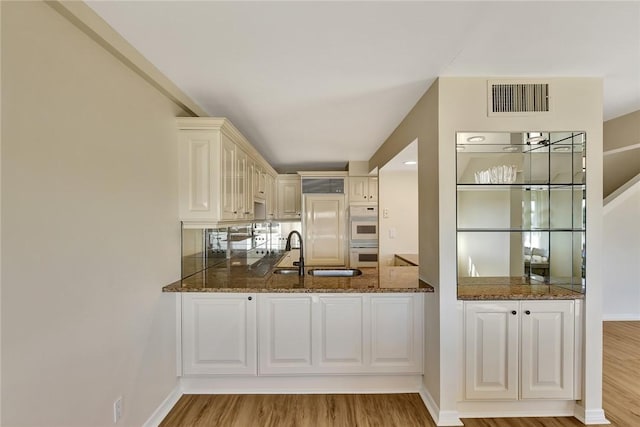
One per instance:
(287, 271)
(335, 272)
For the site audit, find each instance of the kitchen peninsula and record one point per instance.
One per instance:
(241, 275)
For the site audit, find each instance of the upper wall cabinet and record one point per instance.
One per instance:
(220, 174)
(363, 189)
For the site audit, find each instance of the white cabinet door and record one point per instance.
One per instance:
(547, 349)
(219, 334)
(289, 197)
(270, 200)
(195, 171)
(243, 178)
(396, 333)
(228, 180)
(358, 189)
(285, 334)
(491, 350)
(259, 182)
(340, 334)
(324, 229)
(373, 189)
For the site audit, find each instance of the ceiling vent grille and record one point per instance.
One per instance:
(518, 98)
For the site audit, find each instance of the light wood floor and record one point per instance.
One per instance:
(621, 401)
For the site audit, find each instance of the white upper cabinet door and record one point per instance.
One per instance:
(285, 334)
(324, 229)
(198, 154)
(289, 197)
(373, 189)
(270, 202)
(396, 333)
(243, 180)
(228, 180)
(340, 332)
(547, 349)
(491, 350)
(219, 334)
(358, 189)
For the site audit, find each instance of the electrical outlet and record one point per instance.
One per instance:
(117, 410)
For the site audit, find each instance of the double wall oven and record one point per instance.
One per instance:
(364, 236)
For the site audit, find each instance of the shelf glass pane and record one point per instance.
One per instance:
(521, 206)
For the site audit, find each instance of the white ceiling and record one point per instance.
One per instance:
(315, 84)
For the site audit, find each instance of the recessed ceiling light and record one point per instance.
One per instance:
(563, 149)
(459, 147)
(510, 149)
(410, 162)
(477, 138)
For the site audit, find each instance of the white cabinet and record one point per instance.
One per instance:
(270, 196)
(219, 334)
(396, 332)
(259, 182)
(243, 198)
(340, 334)
(289, 196)
(491, 350)
(363, 189)
(519, 350)
(324, 229)
(547, 345)
(220, 173)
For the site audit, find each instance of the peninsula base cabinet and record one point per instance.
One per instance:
(301, 334)
(340, 334)
(517, 350)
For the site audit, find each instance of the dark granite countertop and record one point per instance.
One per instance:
(240, 274)
(514, 288)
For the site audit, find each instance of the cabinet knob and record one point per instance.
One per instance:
(250, 298)
(514, 312)
(527, 312)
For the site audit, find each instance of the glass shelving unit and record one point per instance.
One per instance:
(521, 207)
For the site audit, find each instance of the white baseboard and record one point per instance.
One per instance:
(517, 408)
(330, 384)
(440, 418)
(591, 416)
(167, 404)
(630, 317)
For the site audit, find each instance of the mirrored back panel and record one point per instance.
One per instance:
(521, 206)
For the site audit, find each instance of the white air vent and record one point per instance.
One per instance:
(518, 97)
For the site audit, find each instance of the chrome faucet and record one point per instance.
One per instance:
(300, 262)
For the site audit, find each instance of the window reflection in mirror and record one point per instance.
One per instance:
(521, 207)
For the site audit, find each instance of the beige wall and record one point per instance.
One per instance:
(621, 165)
(422, 124)
(398, 195)
(89, 229)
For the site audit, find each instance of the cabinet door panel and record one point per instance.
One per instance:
(285, 334)
(491, 350)
(219, 334)
(373, 189)
(228, 178)
(341, 332)
(547, 350)
(324, 229)
(358, 189)
(395, 333)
